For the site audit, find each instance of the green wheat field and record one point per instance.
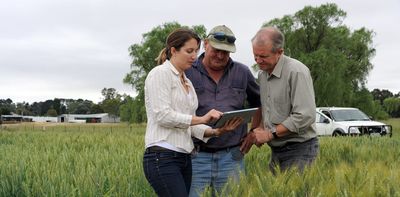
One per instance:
(106, 160)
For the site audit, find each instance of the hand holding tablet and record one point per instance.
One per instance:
(244, 114)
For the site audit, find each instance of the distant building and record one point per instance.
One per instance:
(42, 118)
(9, 119)
(88, 118)
(71, 118)
(15, 118)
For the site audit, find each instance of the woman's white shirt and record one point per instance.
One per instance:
(170, 109)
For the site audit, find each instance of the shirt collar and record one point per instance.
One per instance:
(278, 68)
(172, 67)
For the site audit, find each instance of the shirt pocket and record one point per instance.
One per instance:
(281, 108)
(231, 97)
(238, 93)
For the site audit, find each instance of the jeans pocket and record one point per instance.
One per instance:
(161, 156)
(236, 154)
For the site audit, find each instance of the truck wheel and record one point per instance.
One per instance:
(337, 134)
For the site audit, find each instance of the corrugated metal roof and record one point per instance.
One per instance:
(84, 115)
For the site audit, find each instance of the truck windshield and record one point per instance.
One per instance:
(349, 115)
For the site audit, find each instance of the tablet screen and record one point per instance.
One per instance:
(246, 114)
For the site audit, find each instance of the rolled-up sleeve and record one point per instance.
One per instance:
(198, 131)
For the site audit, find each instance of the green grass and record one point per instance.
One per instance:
(106, 160)
(97, 162)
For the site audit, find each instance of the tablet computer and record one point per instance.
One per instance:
(246, 114)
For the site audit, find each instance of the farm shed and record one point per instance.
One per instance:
(88, 118)
(14, 119)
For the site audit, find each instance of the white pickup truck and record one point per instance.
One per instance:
(338, 121)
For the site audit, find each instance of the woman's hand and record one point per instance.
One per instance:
(211, 116)
(230, 125)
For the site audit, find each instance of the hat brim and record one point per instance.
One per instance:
(223, 46)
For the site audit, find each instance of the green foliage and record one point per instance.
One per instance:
(392, 106)
(137, 109)
(381, 95)
(144, 55)
(111, 103)
(125, 110)
(89, 162)
(339, 60)
(109, 93)
(51, 112)
(78, 106)
(23, 109)
(106, 160)
(96, 109)
(128, 111)
(6, 106)
(363, 100)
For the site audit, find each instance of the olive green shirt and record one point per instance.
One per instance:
(287, 98)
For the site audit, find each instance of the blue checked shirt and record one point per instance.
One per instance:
(236, 86)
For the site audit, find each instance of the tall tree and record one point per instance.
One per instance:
(23, 109)
(51, 112)
(109, 93)
(363, 100)
(381, 95)
(78, 106)
(111, 102)
(144, 55)
(392, 106)
(6, 106)
(45, 106)
(339, 59)
(96, 109)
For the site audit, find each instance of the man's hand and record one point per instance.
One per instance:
(248, 142)
(262, 136)
(229, 126)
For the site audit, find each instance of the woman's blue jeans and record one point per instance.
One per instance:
(168, 172)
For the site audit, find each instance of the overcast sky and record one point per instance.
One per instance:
(74, 48)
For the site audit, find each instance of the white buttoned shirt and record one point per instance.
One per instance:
(170, 109)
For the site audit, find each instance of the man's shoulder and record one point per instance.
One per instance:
(240, 66)
(295, 64)
(196, 66)
(194, 69)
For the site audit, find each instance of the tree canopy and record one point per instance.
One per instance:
(338, 58)
(144, 55)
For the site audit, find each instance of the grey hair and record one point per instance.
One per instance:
(269, 35)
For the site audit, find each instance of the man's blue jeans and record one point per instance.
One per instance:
(168, 172)
(215, 169)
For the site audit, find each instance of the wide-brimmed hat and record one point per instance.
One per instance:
(222, 38)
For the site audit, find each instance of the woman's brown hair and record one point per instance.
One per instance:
(176, 39)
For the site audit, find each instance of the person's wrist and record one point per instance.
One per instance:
(273, 132)
(215, 132)
(204, 119)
